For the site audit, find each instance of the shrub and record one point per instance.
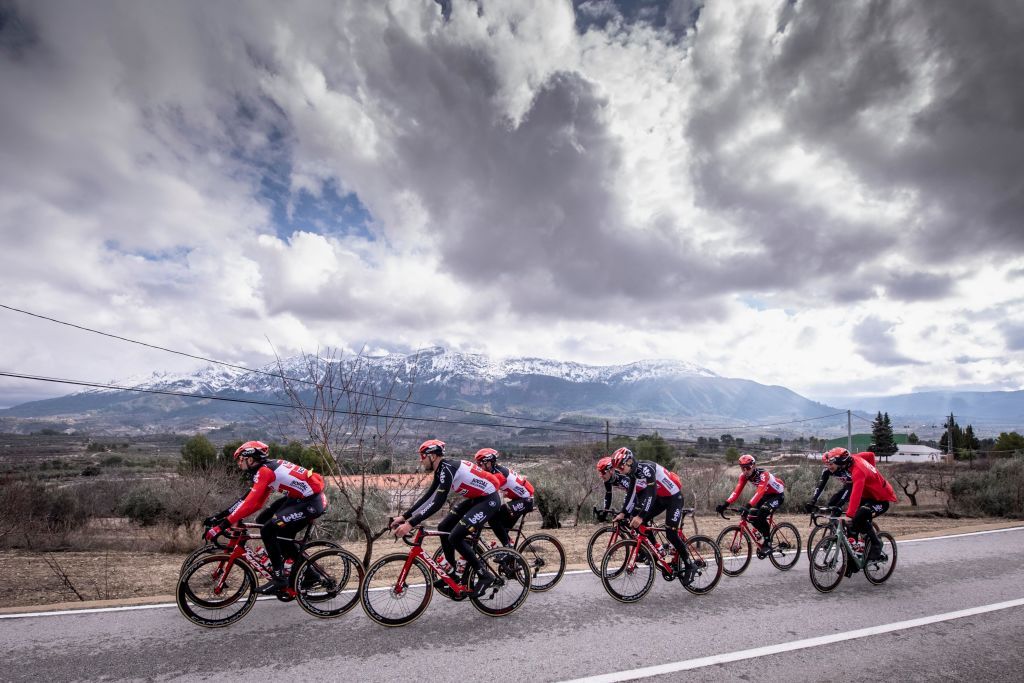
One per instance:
(998, 491)
(142, 505)
(198, 454)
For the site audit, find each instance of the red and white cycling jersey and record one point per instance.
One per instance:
(277, 475)
(513, 484)
(471, 481)
(765, 481)
(668, 482)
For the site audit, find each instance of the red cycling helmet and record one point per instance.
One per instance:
(252, 449)
(486, 455)
(431, 447)
(621, 457)
(604, 464)
(747, 460)
(838, 456)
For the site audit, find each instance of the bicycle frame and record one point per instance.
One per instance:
(748, 528)
(417, 552)
(640, 533)
(839, 529)
(239, 551)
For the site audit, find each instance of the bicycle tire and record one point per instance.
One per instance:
(206, 611)
(597, 548)
(510, 590)
(706, 554)
(622, 582)
(208, 549)
(735, 548)
(877, 571)
(546, 559)
(327, 583)
(379, 591)
(827, 563)
(785, 544)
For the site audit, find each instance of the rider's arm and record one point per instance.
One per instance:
(856, 492)
(822, 482)
(608, 495)
(736, 492)
(762, 486)
(256, 497)
(431, 501)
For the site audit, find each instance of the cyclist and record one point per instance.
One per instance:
(303, 501)
(611, 479)
(652, 489)
(767, 498)
(479, 488)
(840, 496)
(870, 495)
(514, 486)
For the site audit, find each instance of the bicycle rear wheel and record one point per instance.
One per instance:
(878, 571)
(735, 549)
(705, 554)
(390, 599)
(327, 582)
(598, 545)
(827, 563)
(546, 559)
(512, 587)
(216, 591)
(622, 580)
(785, 544)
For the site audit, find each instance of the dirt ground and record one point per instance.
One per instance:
(70, 578)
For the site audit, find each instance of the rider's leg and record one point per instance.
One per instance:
(481, 510)
(447, 525)
(501, 522)
(659, 505)
(673, 516)
(279, 532)
(870, 510)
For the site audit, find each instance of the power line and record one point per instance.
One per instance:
(386, 399)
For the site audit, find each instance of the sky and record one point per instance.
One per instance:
(825, 196)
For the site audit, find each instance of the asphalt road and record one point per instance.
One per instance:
(737, 632)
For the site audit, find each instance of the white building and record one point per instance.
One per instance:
(915, 452)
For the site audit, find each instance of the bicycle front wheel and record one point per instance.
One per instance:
(216, 591)
(546, 559)
(202, 551)
(392, 597)
(827, 563)
(624, 580)
(785, 544)
(509, 591)
(598, 545)
(735, 549)
(706, 555)
(878, 571)
(327, 583)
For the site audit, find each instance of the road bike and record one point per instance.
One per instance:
(737, 543)
(397, 588)
(252, 530)
(543, 553)
(629, 565)
(819, 524)
(835, 557)
(217, 590)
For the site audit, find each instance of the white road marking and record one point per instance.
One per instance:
(94, 610)
(690, 664)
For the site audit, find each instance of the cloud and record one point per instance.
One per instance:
(1014, 335)
(876, 343)
(911, 286)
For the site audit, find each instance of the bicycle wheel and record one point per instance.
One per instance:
(827, 563)
(391, 599)
(327, 582)
(215, 591)
(785, 543)
(706, 555)
(512, 587)
(598, 545)
(735, 549)
(623, 581)
(546, 559)
(202, 551)
(878, 571)
(814, 537)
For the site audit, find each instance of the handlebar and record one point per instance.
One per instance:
(736, 510)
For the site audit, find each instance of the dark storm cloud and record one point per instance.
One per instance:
(907, 286)
(877, 344)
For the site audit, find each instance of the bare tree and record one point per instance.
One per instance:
(580, 475)
(705, 482)
(906, 480)
(353, 424)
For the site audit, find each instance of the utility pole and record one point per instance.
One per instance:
(950, 446)
(849, 431)
(607, 437)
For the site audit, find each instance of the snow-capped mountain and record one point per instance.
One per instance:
(656, 390)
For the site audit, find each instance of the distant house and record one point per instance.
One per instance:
(907, 452)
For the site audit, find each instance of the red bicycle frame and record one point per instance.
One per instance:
(417, 552)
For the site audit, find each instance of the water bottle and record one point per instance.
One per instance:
(260, 556)
(288, 566)
(858, 546)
